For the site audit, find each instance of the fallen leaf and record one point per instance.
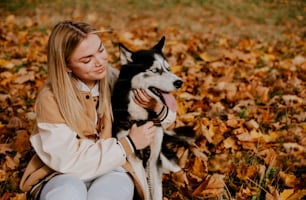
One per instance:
(285, 194)
(22, 143)
(9, 163)
(290, 180)
(5, 148)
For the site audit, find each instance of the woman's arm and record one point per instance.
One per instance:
(59, 148)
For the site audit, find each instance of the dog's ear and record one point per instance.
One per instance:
(159, 46)
(125, 54)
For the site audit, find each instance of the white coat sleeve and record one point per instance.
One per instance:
(60, 149)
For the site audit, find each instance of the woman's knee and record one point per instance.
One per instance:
(64, 187)
(115, 185)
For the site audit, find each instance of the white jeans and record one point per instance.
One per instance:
(116, 185)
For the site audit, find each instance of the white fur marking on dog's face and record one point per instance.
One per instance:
(158, 75)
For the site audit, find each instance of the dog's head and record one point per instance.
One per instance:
(148, 69)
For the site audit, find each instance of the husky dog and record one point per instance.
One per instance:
(148, 70)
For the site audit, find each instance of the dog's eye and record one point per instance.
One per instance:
(154, 70)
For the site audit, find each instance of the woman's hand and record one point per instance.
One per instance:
(143, 135)
(142, 98)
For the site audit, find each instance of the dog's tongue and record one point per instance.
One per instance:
(170, 101)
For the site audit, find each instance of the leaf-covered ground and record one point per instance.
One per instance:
(244, 69)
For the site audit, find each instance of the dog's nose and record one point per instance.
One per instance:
(177, 84)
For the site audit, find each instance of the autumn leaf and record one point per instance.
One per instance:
(22, 143)
(290, 180)
(5, 148)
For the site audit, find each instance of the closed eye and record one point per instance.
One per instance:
(86, 60)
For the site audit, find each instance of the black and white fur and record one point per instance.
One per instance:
(149, 70)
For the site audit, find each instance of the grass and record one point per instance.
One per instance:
(273, 12)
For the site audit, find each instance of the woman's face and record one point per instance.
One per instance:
(88, 62)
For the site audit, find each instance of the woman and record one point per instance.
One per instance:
(76, 157)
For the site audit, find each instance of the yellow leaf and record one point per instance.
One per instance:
(7, 80)
(206, 57)
(255, 134)
(229, 143)
(1, 125)
(286, 193)
(6, 64)
(271, 137)
(289, 180)
(176, 68)
(299, 194)
(199, 169)
(269, 57)
(212, 130)
(181, 109)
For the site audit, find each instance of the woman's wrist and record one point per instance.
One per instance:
(131, 142)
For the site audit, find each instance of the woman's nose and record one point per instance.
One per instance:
(100, 60)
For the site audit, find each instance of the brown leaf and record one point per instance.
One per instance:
(273, 194)
(21, 196)
(5, 148)
(180, 178)
(22, 78)
(290, 180)
(212, 186)
(294, 147)
(9, 163)
(16, 123)
(183, 155)
(199, 168)
(269, 155)
(245, 172)
(22, 143)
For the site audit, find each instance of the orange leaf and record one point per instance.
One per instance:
(290, 180)
(199, 169)
(22, 143)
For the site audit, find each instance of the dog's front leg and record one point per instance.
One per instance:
(154, 167)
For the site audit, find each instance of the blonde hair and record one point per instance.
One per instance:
(64, 39)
